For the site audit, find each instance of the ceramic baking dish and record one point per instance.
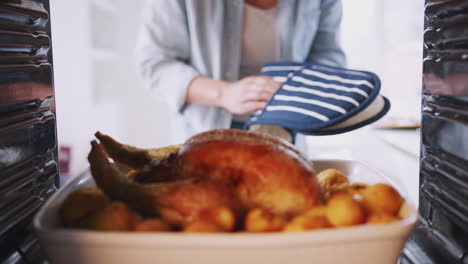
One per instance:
(354, 245)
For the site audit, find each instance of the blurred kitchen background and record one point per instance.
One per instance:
(97, 87)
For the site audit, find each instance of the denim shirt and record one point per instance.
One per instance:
(182, 39)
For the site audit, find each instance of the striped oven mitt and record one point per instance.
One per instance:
(316, 99)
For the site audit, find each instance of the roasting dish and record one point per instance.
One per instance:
(359, 244)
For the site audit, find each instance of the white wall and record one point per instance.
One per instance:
(146, 122)
(127, 112)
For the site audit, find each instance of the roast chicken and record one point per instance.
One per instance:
(225, 168)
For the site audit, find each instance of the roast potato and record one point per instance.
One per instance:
(332, 181)
(382, 198)
(152, 225)
(344, 210)
(80, 204)
(115, 217)
(381, 218)
(260, 220)
(200, 226)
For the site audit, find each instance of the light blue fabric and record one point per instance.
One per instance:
(181, 39)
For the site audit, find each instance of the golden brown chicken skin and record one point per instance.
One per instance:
(264, 172)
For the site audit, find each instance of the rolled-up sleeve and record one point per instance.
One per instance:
(326, 48)
(163, 51)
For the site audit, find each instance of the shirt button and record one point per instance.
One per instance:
(231, 40)
(228, 74)
(235, 3)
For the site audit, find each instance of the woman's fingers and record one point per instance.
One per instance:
(257, 95)
(252, 106)
(261, 93)
(249, 94)
(267, 83)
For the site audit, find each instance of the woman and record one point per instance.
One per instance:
(204, 57)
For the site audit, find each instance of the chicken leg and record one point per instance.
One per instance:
(178, 202)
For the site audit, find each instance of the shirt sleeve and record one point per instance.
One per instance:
(326, 47)
(163, 51)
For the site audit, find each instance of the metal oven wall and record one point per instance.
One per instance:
(28, 144)
(442, 236)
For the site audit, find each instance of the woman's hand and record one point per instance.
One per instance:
(247, 95)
